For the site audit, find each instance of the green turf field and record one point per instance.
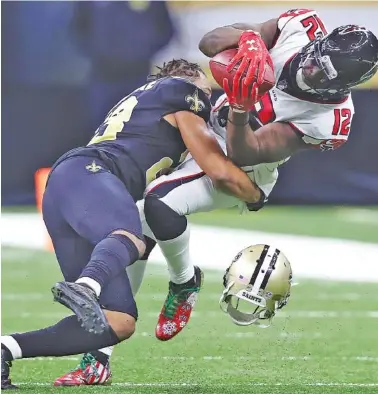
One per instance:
(358, 223)
(325, 341)
(336, 222)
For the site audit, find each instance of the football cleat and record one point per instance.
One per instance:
(88, 372)
(178, 306)
(83, 303)
(6, 383)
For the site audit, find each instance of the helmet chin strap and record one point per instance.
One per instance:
(300, 82)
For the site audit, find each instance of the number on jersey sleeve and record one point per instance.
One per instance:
(157, 169)
(342, 122)
(341, 128)
(315, 27)
(162, 167)
(115, 121)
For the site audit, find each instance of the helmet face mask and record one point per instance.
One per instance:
(318, 72)
(257, 283)
(246, 308)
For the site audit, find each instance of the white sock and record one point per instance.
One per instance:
(12, 345)
(176, 252)
(135, 272)
(95, 286)
(107, 350)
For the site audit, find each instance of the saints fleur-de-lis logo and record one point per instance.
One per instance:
(93, 167)
(196, 104)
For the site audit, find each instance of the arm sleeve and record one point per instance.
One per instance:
(326, 132)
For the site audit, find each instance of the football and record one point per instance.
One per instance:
(218, 65)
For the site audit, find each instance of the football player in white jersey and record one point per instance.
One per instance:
(309, 107)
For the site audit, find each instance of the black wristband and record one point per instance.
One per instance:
(256, 206)
(238, 124)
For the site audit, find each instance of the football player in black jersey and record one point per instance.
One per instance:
(90, 212)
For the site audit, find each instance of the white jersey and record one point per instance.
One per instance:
(325, 126)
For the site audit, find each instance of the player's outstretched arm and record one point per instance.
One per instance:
(222, 38)
(210, 157)
(270, 143)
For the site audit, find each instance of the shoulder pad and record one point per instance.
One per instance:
(179, 94)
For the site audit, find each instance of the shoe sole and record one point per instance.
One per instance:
(89, 313)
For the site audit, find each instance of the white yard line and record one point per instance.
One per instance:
(243, 335)
(52, 359)
(256, 384)
(23, 296)
(359, 215)
(215, 247)
(159, 297)
(368, 359)
(280, 314)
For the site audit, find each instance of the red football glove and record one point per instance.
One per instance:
(253, 54)
(241, 97)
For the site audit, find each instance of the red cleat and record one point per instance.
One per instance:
(88, 372)
(178, 306)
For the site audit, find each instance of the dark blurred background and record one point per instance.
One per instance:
(65, 64)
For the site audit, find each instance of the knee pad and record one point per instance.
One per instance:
(164, 222)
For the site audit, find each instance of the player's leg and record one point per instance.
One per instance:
(94, 367)
(73, 252)
(67, 336)
(168, 200)
(98, 207)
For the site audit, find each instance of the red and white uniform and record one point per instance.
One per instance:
(325, 126)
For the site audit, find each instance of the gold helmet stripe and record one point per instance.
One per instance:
(270, 269)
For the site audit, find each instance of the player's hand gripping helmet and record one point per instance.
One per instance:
(346, 57)
(257, 283)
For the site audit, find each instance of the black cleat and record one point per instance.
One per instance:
(83, 303)
(6, 383)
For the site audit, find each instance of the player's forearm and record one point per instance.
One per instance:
(242, 145)
(238, 184)
(219, 39)
(222, 38)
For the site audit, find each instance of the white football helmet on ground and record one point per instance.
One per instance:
(257, 283)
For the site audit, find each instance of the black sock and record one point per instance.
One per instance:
(7, 353)
(64, 338)
(100, 356)
(109, 257)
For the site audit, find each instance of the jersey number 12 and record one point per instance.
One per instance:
(343, 118)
